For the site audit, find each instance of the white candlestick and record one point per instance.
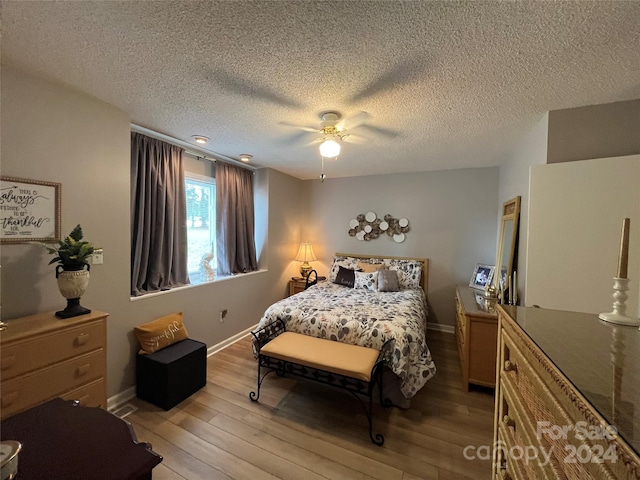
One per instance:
(619, 314)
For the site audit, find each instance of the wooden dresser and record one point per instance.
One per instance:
(568, 385)
(476, 336)
(42, 357)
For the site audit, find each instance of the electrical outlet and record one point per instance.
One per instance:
(223, 315)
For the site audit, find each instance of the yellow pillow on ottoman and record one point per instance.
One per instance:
(160, 333)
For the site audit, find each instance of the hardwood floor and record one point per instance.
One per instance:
(302, 430)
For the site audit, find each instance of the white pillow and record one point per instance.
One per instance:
(366, 280)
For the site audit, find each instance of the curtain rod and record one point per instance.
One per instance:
(189, 149)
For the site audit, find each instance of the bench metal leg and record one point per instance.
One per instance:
(253, 396)
(378, 439)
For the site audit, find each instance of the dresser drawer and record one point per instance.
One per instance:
(89, 395)
(29, 390)
(538, 461)
(547, 411)
(23, 356)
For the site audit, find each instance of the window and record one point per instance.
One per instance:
(201, 227)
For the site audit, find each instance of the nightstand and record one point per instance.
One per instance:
(476, 336)
(296, 284)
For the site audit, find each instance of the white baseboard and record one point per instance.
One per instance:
(118, 399)
(229, 341)
(113, 403)
(441, 328)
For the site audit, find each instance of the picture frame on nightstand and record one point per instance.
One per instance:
(482, 276)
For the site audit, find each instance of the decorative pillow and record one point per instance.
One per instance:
(161, 333)
(346, 262)
(345, 277)
(366, 280)
(411, 272)
(370, 267)
(388, 281)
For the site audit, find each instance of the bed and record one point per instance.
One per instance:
(363, 315)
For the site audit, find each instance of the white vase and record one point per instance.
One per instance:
(72, 285)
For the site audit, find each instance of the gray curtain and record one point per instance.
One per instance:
(236, 247)
(158, 216)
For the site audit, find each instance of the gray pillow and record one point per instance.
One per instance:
(388, 281)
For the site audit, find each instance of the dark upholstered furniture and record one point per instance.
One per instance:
(169, 376)
(65, 441)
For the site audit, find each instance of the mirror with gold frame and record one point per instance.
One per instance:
(507, 241)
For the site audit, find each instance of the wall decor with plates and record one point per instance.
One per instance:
(367, 226)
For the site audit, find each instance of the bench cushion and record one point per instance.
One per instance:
(351, 361)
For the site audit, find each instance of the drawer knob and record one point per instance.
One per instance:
(510, 366)
(8, 362)
(81, 339)
(83, 369)
(508, 421)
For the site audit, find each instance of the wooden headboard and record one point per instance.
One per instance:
(424, 279)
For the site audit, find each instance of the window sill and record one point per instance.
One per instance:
(202, 284)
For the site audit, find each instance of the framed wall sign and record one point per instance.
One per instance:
(29, 210)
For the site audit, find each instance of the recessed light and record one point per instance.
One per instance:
(245, 157)
(200, 139)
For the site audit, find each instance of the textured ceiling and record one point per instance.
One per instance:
(444, 84)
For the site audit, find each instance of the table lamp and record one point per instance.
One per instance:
(305, 255)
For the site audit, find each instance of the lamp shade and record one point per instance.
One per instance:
(329, 149)
(305, 253)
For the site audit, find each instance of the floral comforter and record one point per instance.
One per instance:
(366, 318)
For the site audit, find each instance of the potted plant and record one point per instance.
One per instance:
(72, 256)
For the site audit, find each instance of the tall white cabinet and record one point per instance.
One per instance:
(576, 211)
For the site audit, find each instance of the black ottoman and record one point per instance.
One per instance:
(168, 376)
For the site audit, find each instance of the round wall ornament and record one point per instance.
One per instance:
(368, 227)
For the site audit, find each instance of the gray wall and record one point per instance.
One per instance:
(594, 131)
(55, 134)
(514, 181)
(452, 215)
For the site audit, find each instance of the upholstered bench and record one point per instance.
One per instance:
(353, 368)
(171, 375)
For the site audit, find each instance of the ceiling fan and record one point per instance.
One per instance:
(334, 130)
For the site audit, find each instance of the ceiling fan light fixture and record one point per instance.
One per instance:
(329, 149)
(201, 139)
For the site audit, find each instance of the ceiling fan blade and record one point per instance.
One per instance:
(354, 138)
(300, 127)
(314, 142)
(354, 121)
(295, 138)
(385, 132)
